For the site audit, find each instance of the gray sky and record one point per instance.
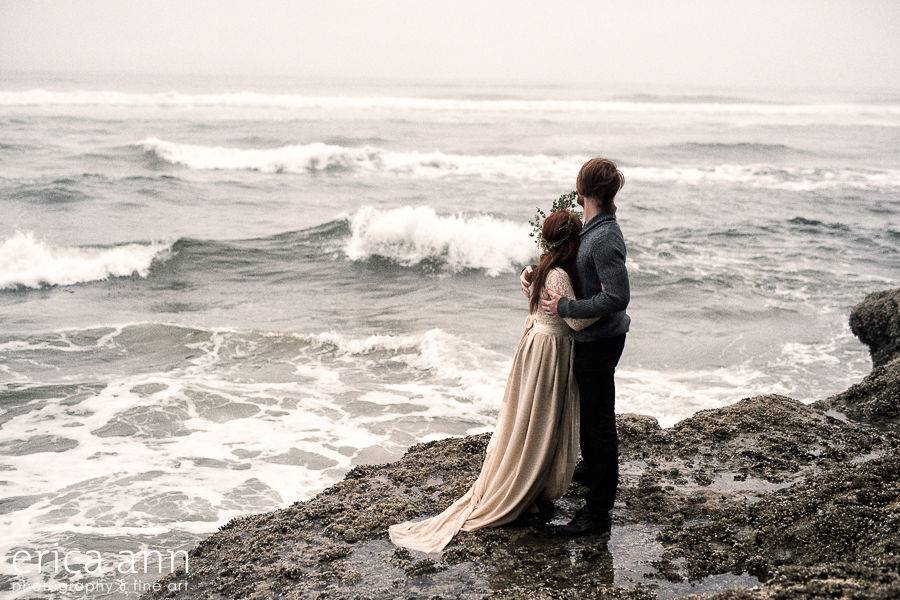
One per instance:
(712, 43)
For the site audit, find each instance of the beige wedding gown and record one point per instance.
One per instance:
(532, 451)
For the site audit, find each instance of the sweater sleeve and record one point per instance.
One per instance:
(609, 261)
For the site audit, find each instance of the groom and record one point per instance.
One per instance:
(605, 291)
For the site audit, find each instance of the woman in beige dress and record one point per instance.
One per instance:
(530, 458)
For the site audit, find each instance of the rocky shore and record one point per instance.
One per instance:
(764, 498)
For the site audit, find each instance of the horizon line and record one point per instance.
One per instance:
(447, 81)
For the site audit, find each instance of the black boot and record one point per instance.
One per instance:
(580, 472)
(586, 521)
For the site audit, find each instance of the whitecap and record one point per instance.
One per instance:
(411, 235)
(318, 157)
(28, 262)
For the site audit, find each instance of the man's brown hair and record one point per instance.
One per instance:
(599, 178)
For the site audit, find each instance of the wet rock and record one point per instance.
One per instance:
(876, 399)
(772, 437)
(876, 322)
(764, 498)
(845, 521)
(335, 546)
(639, 435)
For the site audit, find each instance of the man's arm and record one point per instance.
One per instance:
(525, 279)
(609, 261)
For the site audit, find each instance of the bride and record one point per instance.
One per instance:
(530, 458)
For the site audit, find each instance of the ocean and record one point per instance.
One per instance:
(218, 295)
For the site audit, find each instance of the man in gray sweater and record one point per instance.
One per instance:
(606, 292)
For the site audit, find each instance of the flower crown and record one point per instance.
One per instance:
(567, 202)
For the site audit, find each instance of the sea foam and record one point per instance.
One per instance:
(472, 374)
(318, 157)
(31, 263)
(412, 235)
(791, 178)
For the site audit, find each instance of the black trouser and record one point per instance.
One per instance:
(595, 364)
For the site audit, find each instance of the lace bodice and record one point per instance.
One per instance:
(559, 282)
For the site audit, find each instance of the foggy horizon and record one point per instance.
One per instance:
(265, 295)
(810, 46)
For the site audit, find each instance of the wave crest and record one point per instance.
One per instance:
(26, 262)
(320, 157)
(797, 179)
(634, 104)
(414, 235)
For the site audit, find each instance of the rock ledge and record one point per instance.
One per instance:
(764, 498)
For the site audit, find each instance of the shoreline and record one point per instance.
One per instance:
(767, 496)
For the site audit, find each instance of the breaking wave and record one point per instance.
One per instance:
(322, 158)
(414, 235)
(26, 262)
(318, 157)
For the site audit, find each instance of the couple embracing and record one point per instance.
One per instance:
(560, 394)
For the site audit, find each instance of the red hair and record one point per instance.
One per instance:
(560, 232)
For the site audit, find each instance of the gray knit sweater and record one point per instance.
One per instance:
(605, 291)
